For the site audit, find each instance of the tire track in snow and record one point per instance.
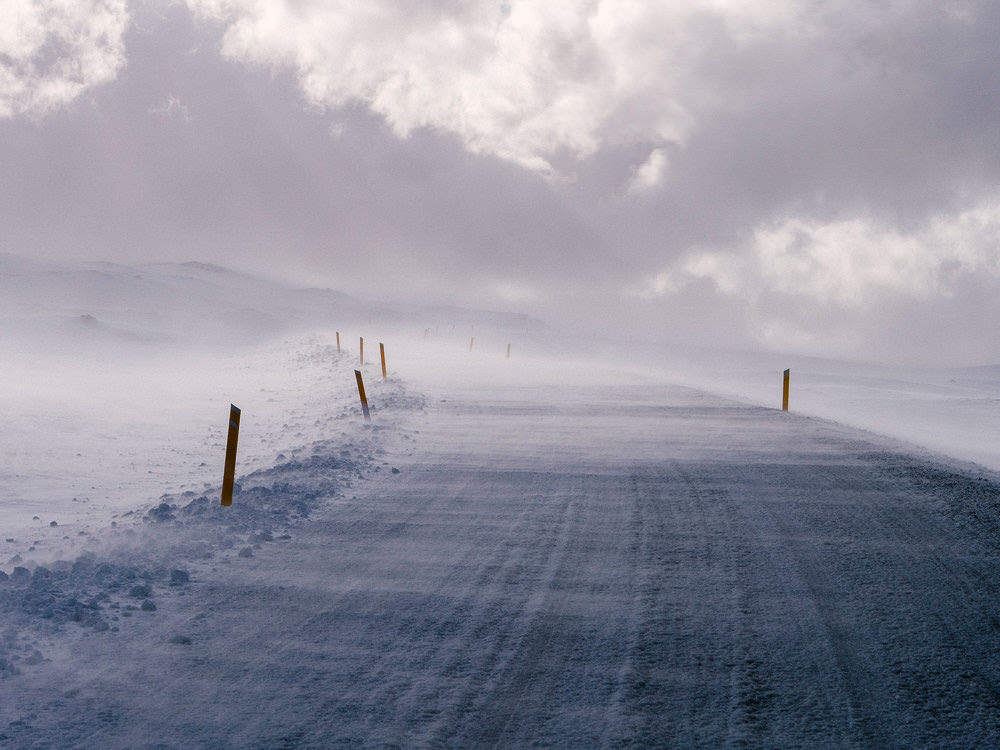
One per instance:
(424, 637)
(461, 630)
(935, 684)
(742, 662)
(671, 675)
(500, 598)
(514, 634)
(793, 657)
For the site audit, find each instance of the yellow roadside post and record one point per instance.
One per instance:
(381, 351)
(784, 391)
(361, 348)
(229, 473)
(364, 398)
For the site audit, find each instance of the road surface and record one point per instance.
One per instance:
(639, 566)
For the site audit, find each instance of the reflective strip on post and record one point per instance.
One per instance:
(229, 473)
(364, 398)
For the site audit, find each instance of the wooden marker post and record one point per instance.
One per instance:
(364, 398)
(381, 351)
(338, 342)
(361, 348)
(229, 474)
(784, 391)
(427, 332)
(471, 342)
(508, 351)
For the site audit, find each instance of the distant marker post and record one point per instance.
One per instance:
(784, 391)
(361, 349)
(471, 342)
(229, 474)
(338, 342)
(364, 398)
(381, 351)
(508, 351)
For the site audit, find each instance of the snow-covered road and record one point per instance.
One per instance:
(566, 565)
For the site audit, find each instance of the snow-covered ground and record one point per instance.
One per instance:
(954, 410)
(569, 547)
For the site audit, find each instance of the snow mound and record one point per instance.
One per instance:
(151, 555)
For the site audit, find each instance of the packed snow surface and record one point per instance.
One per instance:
(547, 550)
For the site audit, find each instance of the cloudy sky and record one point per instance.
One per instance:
(793, 174)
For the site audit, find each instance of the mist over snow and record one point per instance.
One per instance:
(817, 178)
(591, 236)
(541, 548)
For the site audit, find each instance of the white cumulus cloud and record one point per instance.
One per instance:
(53, 50)
(650, 174)
(521, 80)
(852, 262)
(172, 107)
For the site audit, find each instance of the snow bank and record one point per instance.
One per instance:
(98, 569)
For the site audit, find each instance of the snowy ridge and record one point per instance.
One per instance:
(83, 305)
